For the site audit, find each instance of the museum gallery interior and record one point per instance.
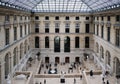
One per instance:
(59, 41)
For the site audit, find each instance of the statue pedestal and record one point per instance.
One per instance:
(62, 80)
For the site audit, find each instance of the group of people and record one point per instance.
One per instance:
(107, 82)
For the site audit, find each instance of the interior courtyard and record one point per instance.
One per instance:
(60, 42)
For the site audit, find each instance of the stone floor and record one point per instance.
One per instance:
(96, 79)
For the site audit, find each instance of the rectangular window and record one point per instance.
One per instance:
(7, 36)
(7, 18)
(77, 27)
(102, 18)
(57, 18)
(117, 18)
(77, 18)
(87, 18)
(25, 30)
(102, 31)
(57, 26)
(36, 17)
(97, 18)
(117, 37)
(20, 17)
(46, 17)
(20, 31)
(36, 27)
(97, 30)
(108, 18)
(15, 33)
(46, 27)
(108, 34)
(87, 28)
(67, 18)
(15, 18)
(77, 42)
(67, 30)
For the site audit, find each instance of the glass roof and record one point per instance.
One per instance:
(61, 5)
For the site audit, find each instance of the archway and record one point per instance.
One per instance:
(7, 64)
(77, 59)
(116, 66)
(46, 59)
(67, 44)
(57, 44)
(57, 60)
(67, 60)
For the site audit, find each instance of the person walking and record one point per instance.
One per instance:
(107, 82)
(44, 81)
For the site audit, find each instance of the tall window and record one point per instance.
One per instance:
(67, 26)
(15, 33)
(102, 52)
(102, 31)
(7, 38)
(36, 17)
(77, 44)
(117, 37)
(36, 27)
(86, 42)
(15, 56)
(36, 42)
(77, 27)
(20, 31)
(7, 65)
(97, 30)
(87, 28)
(46, 42)
(46, 27)
(108, 56)
(57, 44)
(108, 34)
(25, 29)
(57, 26)
(7, 18)
(97, 48)
(102, 18)
(108, 18)
(117, 18)
(67, 44)
(15, 17)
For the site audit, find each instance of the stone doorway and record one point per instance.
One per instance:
(77, 59)
(67, 60)
(57, 60)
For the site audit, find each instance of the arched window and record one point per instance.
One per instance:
(25, 46)
(36, 42)
(21, 50)
(77, 44)
(46, 42)
(116, 65)
(67, 44)
(7, 65)
(108, 57)
(57, 44)
(102, 52)
(97, 48)
(86, 42)
(15, 59)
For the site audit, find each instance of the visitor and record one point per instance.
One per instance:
(107, 82)
(74, 80)
(103, 79)
(44, 81)
(40, 83)
(81, 77)
(91, 73)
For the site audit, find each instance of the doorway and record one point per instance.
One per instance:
(77, 59)
(67, 60)
(46, 59)
(57, 60)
